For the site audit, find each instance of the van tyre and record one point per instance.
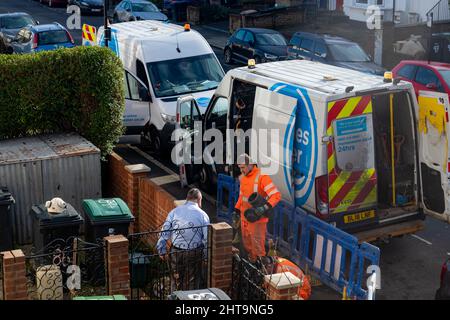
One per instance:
(228, 56)
(156, 142)
(205, 178)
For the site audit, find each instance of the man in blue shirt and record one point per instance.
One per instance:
(187, 229)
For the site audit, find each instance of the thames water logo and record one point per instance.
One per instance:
(305, 146)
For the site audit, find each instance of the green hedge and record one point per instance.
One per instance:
(78, 89)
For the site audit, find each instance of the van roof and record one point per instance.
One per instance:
(148, 29)
(324, 78)
(160, 41)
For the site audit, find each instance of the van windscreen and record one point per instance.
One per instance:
(184, 76)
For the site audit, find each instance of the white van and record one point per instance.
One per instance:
(170, 61)
(351, 151)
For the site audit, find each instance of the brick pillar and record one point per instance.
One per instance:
(282, 286)
(117, 265)
(220, 256)
(135, 173)
(14, 275)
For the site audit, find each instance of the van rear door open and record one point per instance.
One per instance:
(434, 153)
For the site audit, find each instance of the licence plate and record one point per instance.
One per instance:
(361, 216)
(96, 10)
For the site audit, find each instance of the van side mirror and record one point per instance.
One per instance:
(144, 94)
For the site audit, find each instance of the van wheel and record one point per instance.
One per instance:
(146, 139)
(205, 178)
(228, 56)
(156, 142)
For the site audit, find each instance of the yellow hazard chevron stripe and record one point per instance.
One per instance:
(347, 187)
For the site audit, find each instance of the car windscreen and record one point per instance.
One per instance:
(446, 75)
(144, 7)
(52, 37)
(270, 39)
(346, 52)
(186, 75)
(17, 22)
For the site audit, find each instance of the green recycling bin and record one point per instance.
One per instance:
(116, 297)
(106, 217)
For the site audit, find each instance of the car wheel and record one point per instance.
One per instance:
(115, 18)
(228, 56)
(257, 60)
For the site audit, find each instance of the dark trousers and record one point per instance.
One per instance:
(187, 268)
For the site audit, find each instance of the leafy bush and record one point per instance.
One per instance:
(79, 89)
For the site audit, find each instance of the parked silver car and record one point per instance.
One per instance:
(10, 25)
(132, 10)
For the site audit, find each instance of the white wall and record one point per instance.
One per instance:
(356, 11)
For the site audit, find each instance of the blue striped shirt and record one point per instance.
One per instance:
(186, 227)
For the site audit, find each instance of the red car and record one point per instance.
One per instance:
(433, 76)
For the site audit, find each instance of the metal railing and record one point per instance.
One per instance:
(66, 268)
(440, 12)
(155, 277)
(247, 281)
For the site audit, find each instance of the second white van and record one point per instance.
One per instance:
(162, 62)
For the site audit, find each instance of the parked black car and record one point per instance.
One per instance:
(89, 6)
(263, 45)
(10, 25)
(332, 50)
(443, 293)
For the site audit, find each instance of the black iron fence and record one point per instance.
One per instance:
(66, 268)
(247, 281)
(162, 262)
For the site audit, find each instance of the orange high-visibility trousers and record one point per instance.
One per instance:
(254, 238)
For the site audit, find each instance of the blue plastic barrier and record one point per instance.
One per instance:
(326, 252)
(230, 184)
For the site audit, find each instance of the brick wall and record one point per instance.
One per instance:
(221, 257)
(117, 265)
(155, 205)
(273, 20)
(14, 275)
(124, 183)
